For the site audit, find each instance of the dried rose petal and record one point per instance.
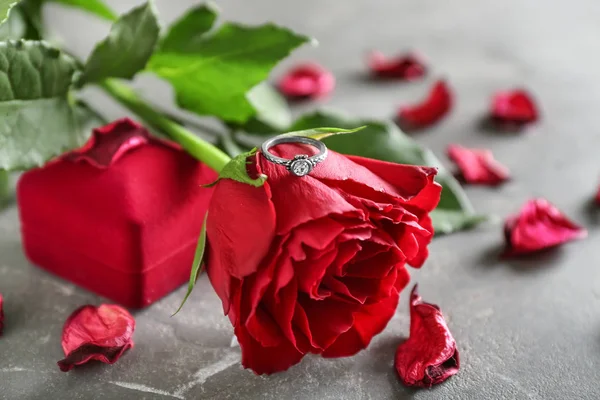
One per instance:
(478, 165)
(109, 143)
(429, 356)
(408, 66)
(307, 81)
(515, 107)
(431, 110)
(538, 225)
(96, 333)
(1, 314)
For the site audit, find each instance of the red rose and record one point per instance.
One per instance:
(315, 264)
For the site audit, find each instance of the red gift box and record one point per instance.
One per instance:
(120, 216)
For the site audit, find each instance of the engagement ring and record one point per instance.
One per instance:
(301, 164)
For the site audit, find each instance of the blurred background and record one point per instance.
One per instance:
(480, 47)
(525, 329)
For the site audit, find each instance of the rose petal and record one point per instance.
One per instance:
(328, 318)
(408, 66)
(96, 333)
(478, 165)
(308, 80)
(368, 322)
(238, 252)
(538, 225)
(109, 143)
(303, 200)
(429, 356)
(1, 314)
(514, 107)
(266, 360)
(430, 111)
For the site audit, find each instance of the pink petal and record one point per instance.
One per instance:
(429, 356)
(408, 66)
(478, 165)
(96, 333)
(539, 225)
(514, 106)
(307, 81)
(430, 111)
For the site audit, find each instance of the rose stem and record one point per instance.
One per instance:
(196, 147)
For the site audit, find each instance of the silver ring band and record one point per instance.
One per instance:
(302, 164)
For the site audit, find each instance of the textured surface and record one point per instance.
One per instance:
(526, 329)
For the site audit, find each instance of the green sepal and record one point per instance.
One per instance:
(236, 170)
(196, 264)
(322, 133)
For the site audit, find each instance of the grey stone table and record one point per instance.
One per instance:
(526, 329)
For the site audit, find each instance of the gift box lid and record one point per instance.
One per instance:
(126, 198)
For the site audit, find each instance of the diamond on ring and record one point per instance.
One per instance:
(301, 165)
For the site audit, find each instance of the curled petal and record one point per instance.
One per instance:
(307, 81)
(1, 314)
(539, 225)
(368, 322)
(263, 359)
(429, 356)
(96, 333)
(408, 66)
(514, 107)
(109, 143)
(430, 111)
(478, 165)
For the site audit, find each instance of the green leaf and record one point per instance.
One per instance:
(447, 221)
(37, 121)
(31, 10)
(14, 27)
(196, 264)
(236, 170)
(190, 28)
(5, 6)
(272, 111)
(127, 48)
(4, 188)
(96, 7)
(212, 74)
(383, 140)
